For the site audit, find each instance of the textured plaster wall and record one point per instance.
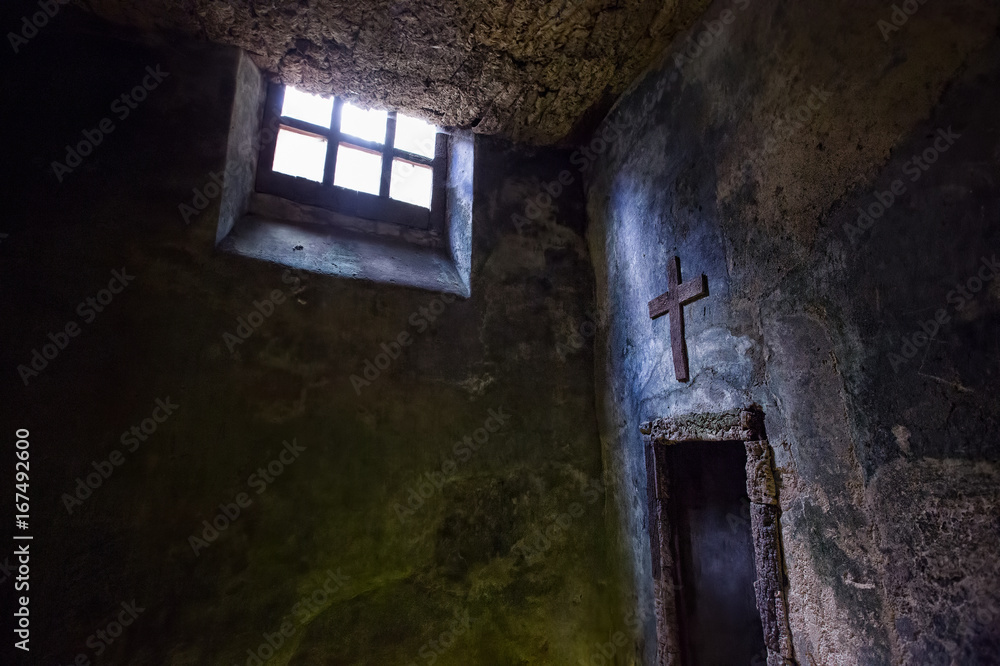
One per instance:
(470, 553)
(888, 475)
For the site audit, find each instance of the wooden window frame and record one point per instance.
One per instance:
(326, 195)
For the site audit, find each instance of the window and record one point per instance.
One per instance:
(365, 163)
(318, 184)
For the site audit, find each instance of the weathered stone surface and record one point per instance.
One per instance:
(770, 580)
(665, 591)
(761, 486)
(662, 543)
(715, 167)
(525, 69)
(732, 425)
(938, 527)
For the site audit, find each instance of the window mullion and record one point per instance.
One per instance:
(333, 142)
(387, 152)
(439, 181)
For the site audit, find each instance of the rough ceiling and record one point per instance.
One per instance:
(525, 69)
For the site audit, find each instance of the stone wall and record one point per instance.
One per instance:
(747, 151)
(393, 522)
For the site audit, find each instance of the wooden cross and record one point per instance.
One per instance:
(672, 302)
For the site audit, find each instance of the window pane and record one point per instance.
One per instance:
(308, 107)
(358, 169)
(368, 124)
(411, 183)
(298, 154)
(415, 136)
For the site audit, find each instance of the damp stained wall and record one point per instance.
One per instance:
(421, 545)
(887, 465)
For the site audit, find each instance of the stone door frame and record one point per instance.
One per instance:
(738, 425)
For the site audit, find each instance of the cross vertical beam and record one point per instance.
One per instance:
(672, 302)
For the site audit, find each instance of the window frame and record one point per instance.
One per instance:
(325, 194)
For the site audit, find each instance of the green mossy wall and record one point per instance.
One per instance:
(470, 551)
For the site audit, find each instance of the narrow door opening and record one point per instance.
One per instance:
(714, 554)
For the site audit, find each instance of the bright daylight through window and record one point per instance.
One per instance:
(332, 142)
(339, 189)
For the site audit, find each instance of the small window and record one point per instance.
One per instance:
(366, 163)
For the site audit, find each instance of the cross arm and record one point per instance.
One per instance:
(661, 305)
(692, 290)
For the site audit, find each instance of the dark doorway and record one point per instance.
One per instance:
(718, 617)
